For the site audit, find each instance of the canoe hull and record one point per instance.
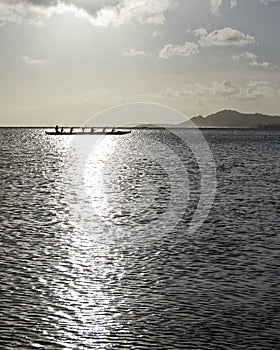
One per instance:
(88, 133)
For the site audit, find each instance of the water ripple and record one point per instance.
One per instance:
(61, 288)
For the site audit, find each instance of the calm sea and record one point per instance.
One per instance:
(91, 260)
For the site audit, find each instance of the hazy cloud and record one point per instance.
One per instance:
(37, 12)
(31, 61)
(228, 89)
(225, 37)
(45, 3)
(216, 5)
(99, 12)
(110, 13)
(134, 53)
(252, 59)
(252, 90)
(187, 49)
(220, 37)
(265, 2)
(134, 11)
(20, 12)
(200, 32)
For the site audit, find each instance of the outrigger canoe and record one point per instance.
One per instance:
(117, 132)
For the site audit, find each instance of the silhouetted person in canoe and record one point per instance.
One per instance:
(71, 130)
(56, 129)
(62, 130)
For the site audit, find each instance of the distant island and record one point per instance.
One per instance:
(234, 119)
(226, 118)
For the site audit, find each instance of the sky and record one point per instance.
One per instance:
(64, 61)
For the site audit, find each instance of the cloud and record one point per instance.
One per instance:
(19, 12)
(228, 89)
(215, 5)
(253, 90)
(266, 2)
(34, 61)
(112, 12)
(184, 50)
(252, 59)
(44, 3)
(200, 32)
(225, 37)
(98, 12)
(134, 11)
(155, 33)
(36, 12)
(220, 37)
(134, 53)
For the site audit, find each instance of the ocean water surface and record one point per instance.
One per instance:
(93, 256)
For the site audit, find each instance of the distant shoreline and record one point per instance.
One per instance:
(225, 119)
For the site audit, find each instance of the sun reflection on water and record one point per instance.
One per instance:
(89, 303)
(99, 157)
(89, 306)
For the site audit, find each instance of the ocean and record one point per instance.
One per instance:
(140, 241)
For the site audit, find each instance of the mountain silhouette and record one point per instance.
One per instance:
(233, 119)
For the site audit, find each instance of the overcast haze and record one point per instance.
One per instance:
(63, 61)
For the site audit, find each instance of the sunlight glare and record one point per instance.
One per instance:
(94, 172)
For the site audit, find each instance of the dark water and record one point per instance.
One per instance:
(123, 279)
